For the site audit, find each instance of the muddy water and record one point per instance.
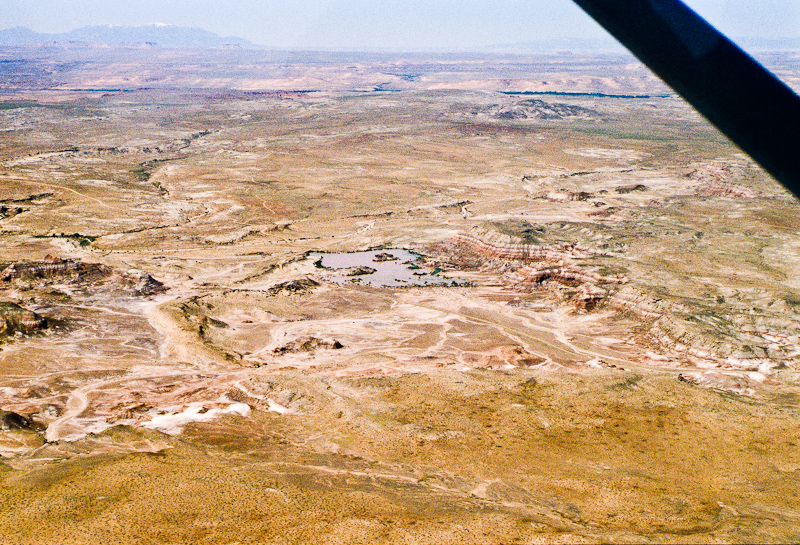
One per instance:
(391, 268)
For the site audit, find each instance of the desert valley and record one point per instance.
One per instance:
(269, 297)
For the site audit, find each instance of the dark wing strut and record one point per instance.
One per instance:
(753, 108)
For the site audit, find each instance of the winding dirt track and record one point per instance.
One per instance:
(76, 404)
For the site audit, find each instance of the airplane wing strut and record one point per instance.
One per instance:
(752, 107)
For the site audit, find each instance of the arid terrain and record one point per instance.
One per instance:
(259, 297)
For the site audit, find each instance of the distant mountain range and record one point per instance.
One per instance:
(160, 35)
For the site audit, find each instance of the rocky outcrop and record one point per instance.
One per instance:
(13, 421)
(716, 180)
(525, 266)
(624, 189)
(539, 109)
(724, 189)
(14, 318)
(563, 272)
(562, 196)
(308, 344)
(730, 343)
(357, 271)
(294, 286)
(611, 213)
(588, 296)
(144, 284)
(10, 211)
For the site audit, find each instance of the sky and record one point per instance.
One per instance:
(383, 24)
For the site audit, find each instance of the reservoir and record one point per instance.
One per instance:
(392, 268)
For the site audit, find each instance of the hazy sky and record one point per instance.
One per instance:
(397, 24)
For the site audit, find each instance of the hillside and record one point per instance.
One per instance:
(161, 35)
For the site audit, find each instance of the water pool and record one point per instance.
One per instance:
(392, 268)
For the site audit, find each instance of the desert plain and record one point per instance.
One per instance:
(270, 297)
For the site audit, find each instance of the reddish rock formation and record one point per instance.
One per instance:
(48, 268)
(524, 266)
(139, 282)
(563, 272)
(672, 329)
(504, 253)
(498, 245)
(588, 296)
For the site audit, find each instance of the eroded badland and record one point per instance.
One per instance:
(609, 353)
